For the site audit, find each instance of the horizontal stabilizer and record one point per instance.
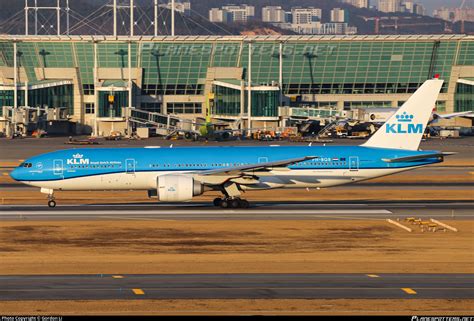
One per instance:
(415, 157)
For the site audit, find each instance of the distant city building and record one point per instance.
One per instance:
(413, 7)
(232, 13)
(454, 14)
(305, 20)
(301, 16)
(183, 7)
(318, 28)
(389, 5)
(339, 15)
(273, 14)
(357, 3)
(216, 15)
(336, 29)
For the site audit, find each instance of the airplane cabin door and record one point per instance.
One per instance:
(130, 166)
(354, 163)
(58, 168)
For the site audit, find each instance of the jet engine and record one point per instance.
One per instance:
(178, 188)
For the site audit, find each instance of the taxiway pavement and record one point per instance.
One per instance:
(236, 286)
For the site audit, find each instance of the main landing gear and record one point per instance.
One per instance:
(231, 202)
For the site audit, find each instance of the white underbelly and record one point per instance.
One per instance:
(115, 181)
(324, 178)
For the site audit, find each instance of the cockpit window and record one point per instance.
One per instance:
(28, 165)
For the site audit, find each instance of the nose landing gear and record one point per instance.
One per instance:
(50, 193)
(51, 201)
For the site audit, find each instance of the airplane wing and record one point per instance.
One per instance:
(468, 114)
(415, 157)
(240, 170)
(464, 114)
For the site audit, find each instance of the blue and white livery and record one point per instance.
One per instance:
(179, 174)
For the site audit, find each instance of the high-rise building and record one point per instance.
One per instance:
(305, 15)
(232, 13)
(216, 15)
(338, 15)
(412, 7)
(273, 14)
(389, 5)
(183, 7)
(419, 9)
(238, 13)
(357, 3)
(455, 14)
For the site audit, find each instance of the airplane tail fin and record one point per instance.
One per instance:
(405, 128)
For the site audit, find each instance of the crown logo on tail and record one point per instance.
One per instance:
(404, 118)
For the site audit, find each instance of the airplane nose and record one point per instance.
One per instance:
(15, 174)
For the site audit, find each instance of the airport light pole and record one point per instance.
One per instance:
(131, 18)
(58, 13)
(172, 17)
(280, 72)
(67, 17)
(36, 17)
(26, 17)
(96, 102)
(129, 87)
(155, 16)
(15, 87)
(115, 17)
(249, 90)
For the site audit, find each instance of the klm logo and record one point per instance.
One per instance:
(78, 159)
(404, 125)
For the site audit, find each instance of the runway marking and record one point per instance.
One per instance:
(373, 275)
(178, 212)
(349, 217)
(113, 288)
(137, 218)
(409, 291)
(138, 291)
(117, 276)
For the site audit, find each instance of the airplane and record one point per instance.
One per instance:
(179, 174)
(209, 131)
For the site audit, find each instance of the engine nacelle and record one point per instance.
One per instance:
(178, 188)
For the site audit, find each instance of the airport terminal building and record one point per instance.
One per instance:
(98, 83)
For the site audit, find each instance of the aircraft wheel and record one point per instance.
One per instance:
(52, 203)
(217, 201)
(244, 204)
(235, 203)
(224, 204)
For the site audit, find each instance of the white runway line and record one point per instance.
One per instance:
(58, 211)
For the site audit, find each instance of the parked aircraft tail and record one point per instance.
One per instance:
(405, 128)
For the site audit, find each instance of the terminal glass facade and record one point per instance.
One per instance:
(56, 96)
(112, 110)
(227, 102)
(380, 69)
(464, 98)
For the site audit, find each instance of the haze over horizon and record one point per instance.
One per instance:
(430, 5)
